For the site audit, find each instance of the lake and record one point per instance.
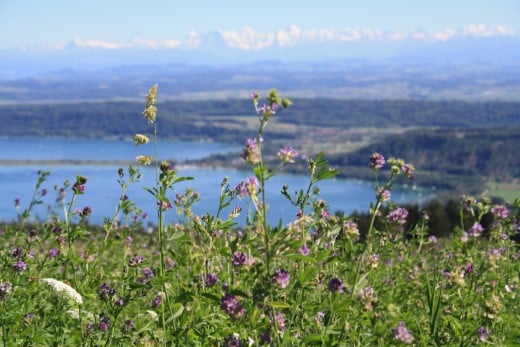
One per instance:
(102, 190)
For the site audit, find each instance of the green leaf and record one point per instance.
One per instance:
(312, 338)
(179, 311)
(279, 304)
(177, 235)
(301, 257)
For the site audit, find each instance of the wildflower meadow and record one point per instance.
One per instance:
(209, 280)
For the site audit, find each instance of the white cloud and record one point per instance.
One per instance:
(247, 39)
(444, 35)
(480, 30)
(97, 44)
(155, 44)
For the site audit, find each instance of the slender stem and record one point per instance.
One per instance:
(263, 207)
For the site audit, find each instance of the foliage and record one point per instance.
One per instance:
(209, 282)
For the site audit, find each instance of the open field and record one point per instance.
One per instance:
(507, 191)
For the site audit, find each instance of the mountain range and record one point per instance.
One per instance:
(475, 63)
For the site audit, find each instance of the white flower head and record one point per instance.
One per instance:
(61, 287)
(74, 313)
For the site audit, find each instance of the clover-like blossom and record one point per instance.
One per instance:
(135, 261)
(279, 320)
(475, 230)
(251, 152)
(335, 285)
(5, 289)
(287, 154)
(281, 278)
(304, 249)
(211, 280)
(140, 139)
(351, 229)
(232, 341)
(85, 212)
(53, 253)
(384, 194)
(500, 211)
(240, 190)
(20, 266)
(483, 334)
(157, 301)
(398, 215)
(231, 305)
(408, 170)
(251, 186)
(239, 259)
(367, 294)
(104, 323)
(105, 291)
(376, 161)
(402, 334)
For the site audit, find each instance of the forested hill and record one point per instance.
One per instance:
(459, 160)
(207, 119)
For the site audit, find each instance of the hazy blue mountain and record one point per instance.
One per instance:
(211, 65)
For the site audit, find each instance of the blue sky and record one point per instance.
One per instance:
(49, 23)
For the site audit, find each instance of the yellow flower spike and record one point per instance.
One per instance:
(140, 139)
(144, 159)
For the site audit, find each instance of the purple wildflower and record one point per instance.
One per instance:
(17, 253)
(135, 261)
(232, 341)
(304, 249)
(384, 194)
(335, 285)
(408, 170)
(119, 302)
(468, 269)
(157, 301)
(377, 161)
(483, 334)
(251, 152)
(5, 288)
(251, 185)
(287, 154)
(500, 212)
(281, 278)
(104, 324)
(402, 334)
(367, 295)
(105, 291)
(86, 212)
(231, 305)
(78, 188)
(211, 280)
(475, 230)
(239, 259)
(148, 273)
(398, 215)
(265, 339)
(128, 325)
(20, 266)
(53, 253)
(279, 320)
(351, 229)
(240, 190)
(164, 205)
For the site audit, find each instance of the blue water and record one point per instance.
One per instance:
(102, 190)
